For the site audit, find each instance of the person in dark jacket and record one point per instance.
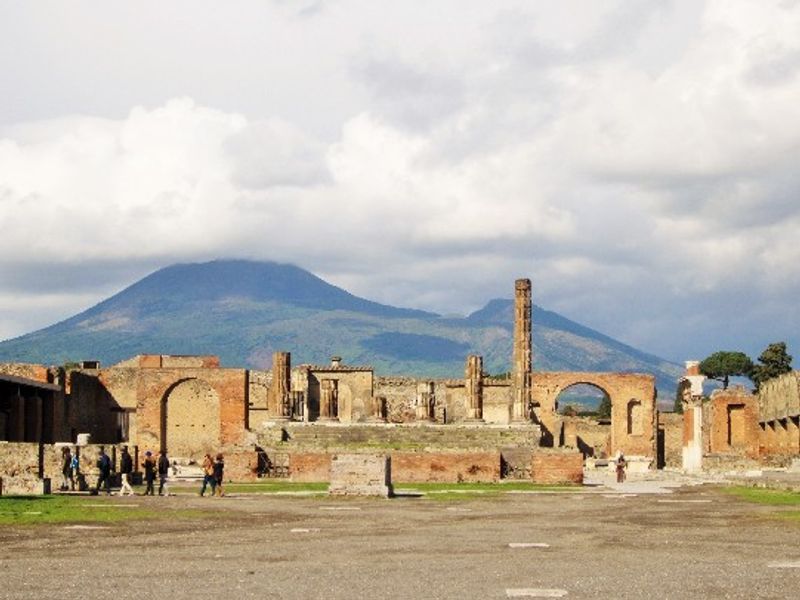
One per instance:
(68, 480)
(163, 473)
(149, 466)
(125, 469)
(104, 476)
(219, 472)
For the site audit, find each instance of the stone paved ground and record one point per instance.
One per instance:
(691, 542)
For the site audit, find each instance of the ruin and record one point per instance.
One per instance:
(295, 418)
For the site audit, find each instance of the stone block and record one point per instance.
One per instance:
(360, 475)
(557, 467)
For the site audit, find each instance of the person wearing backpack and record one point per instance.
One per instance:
(163, 473)
(104, 477)
(126, 469)
(149, 466)
(219, 471)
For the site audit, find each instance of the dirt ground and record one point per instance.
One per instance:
(693, 543)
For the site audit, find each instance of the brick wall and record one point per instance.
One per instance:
(557, 467)
(310, 466)
(445, 467)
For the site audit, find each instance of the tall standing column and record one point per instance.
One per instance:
(281, 385)
(473, 381)
(521, 374)
(426, 401)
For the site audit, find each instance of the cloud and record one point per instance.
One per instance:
(638, 162)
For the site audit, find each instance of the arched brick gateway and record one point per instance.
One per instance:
(633, 403)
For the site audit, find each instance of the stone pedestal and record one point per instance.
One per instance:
(361, 475)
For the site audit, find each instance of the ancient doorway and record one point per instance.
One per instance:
(190, 424)
(585, 411)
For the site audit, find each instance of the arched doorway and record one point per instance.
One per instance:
(190, 424)
(585, 413)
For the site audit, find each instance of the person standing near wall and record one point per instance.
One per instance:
(125, 469)
(208, 475)
(68, 481)
(219, 473)
(149, 466)
(621, 464)
(104, 477)
(163, 473)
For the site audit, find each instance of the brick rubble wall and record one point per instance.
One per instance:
(557, 467)
(445, 467)
(310, 466)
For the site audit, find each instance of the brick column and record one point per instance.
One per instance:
(473, 382)
(281, 385)
(521, 371)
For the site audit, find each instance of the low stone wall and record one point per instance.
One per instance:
(409, 467)
(310, 466)
(445, 467)
(557, 467)
(241, 466)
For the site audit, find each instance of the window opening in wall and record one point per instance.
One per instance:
(635, 417)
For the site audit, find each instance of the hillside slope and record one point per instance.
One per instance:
(244, 310)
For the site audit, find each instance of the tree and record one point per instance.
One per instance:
(774, 362)
(723, 365)
(678, 406)
(604, 409)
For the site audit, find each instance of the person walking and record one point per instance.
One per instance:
(67, 481)
(104, 477)
(621, 464)
(75, 468)
(125, 469)
(219, 472)
(163, 473)
(149, 466)
(208, 475)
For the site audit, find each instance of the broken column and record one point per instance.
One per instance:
(329, 400)
(521, 371)
(281, 385)
(426, 402)
(298, 400)
(691, 389)
(473, 381)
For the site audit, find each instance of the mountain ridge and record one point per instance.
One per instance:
(244, 310)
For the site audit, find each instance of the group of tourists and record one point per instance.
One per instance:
(213, 472)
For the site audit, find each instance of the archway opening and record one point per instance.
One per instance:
(585, 411)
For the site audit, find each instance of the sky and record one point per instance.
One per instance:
(639, 161)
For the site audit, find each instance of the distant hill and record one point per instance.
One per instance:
(244, 310)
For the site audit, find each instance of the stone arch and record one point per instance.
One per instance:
(190, 418)
(621, 388)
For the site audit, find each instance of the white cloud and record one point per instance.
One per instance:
(638, 161)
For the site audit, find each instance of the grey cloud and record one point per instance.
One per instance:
(779, 68)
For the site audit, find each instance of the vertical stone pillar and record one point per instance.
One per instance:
(299, 405)
(281, 385)
(521, 371)
(328, 400)
(473, 382)
(691, 389)
(378, 409)
(426, 402)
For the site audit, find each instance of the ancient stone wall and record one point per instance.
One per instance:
(401, 396)
(671, 424)
(557, 466)
(354, 391)
(445, 467)
(587, 435)
(633, 412)
(26, 370)
(733, 417)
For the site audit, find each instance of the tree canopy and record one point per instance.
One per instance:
(726, 364)
(774, 361)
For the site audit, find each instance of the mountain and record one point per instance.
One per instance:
(243, 311)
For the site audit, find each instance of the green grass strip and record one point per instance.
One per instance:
(766, 496)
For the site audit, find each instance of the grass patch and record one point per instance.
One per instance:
(25, 510)
(765, 496)
(258, 487)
